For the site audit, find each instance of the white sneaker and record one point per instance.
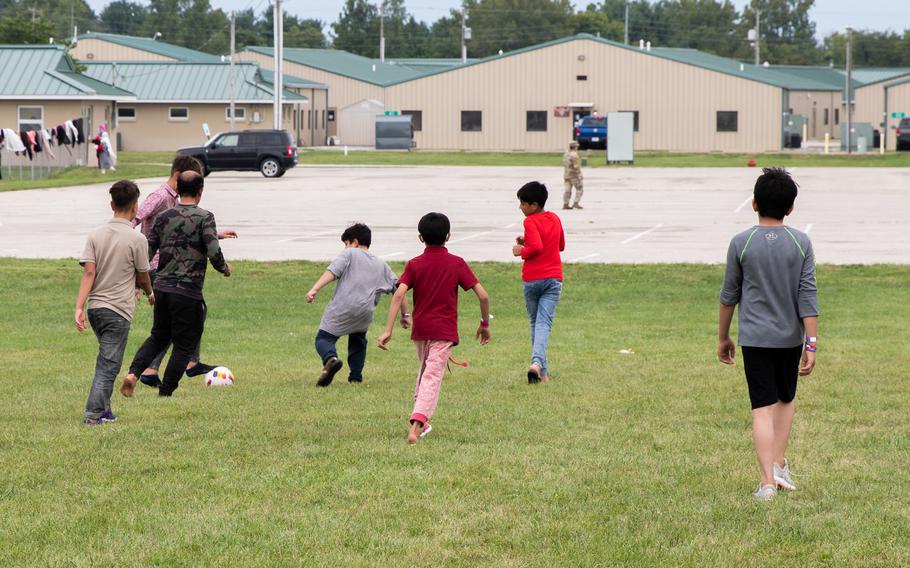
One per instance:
(782, 477)
(765, 493)
(427, 428)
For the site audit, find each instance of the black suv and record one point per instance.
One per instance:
(903, 135)
(272, 152)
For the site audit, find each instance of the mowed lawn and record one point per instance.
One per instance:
(622, 460)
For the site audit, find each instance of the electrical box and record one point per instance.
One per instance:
(620, 137)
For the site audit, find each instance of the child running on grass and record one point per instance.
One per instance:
(187, 238)
(362, 278)
(160, 200)
(771, 276)
(539, 247)
(435, 277)
(114, 260)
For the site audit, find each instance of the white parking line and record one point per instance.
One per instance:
(641, 234)
(469, 237)
(302, 237)
(391, 254)
(808, 228)
(510, 225)
(743, 204)
(585, 257)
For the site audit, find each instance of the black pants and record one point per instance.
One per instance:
(178, 319)
(357, 351)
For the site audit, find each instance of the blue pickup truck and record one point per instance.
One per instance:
(591, 132)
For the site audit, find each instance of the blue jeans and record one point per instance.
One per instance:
(357, 351)
(112, 331)
(541, 297)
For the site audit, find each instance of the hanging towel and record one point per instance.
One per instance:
(29, 149)
(71, 132)
(46, 137)
(13, 142)
(62, 138)
(80, 131)
(35, 140)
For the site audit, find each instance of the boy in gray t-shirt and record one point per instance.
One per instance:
(362, 278)
(771, 276)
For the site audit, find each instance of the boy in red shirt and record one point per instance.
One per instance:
(542, 271)
(435, 277)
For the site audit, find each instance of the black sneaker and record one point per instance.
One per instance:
(355, 381)
(533, 377)
(199, 369)
(332, 366)
(150, 380)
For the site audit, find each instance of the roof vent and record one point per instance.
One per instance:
(766, 65)
(648, 46)
(742, 67)
(374, 68)
(641, 44)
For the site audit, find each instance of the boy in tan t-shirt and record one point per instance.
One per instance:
(114, 261)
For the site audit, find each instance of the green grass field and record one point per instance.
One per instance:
(622, 460)
(137, 165)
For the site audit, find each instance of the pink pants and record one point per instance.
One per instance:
(433, 356)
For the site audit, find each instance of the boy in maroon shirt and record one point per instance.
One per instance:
(542, 271)
(435, 277)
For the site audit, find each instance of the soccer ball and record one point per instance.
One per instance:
(219, 377)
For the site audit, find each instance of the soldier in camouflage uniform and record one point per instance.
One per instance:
(187, 240)
(573, 177)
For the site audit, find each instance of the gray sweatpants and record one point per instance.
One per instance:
(112, 331)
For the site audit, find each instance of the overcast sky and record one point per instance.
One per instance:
(829, 15)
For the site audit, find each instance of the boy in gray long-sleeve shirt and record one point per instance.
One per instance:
(771, 276)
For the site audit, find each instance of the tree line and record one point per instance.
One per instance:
(788, 35)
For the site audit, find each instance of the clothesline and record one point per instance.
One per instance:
(32, 142)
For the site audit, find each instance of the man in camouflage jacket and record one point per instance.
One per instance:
(572, 176)
(187, 240)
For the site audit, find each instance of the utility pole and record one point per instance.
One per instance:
(465, 34)
(758, 37)
(848, 91)
(626, 35)
(382, 31)
(233, 93)
(279, 62)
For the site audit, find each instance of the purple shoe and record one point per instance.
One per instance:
(108, 416)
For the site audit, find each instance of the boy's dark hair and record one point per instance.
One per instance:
(123, 194)
(775, 192)
(358, 231)
(434, 227)
(533, 192)
(184, 163)
(190, 184)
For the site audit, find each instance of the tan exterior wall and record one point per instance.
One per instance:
(343, 91)
(100, 50)
(869, 105)
(152, 130)
(58, 112)
(677, 103)
(310, 125)
(812, 105)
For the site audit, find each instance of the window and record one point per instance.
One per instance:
(836, 116)
(31, 118)
(126, 114)
(727, 121)
(471, 121)
(581, 77)
(536, 120)
(416, 118)
(826, 116)
(634, 119)
(178, 113)
(239, 113)
(228, 140)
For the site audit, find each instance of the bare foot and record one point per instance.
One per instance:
(414, 432)
(128, 385)
(545, 378)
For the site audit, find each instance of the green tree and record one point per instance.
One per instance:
(507, 25)
(597, 22)
(18, 27)
(297, 32)
(870, 49)
(707, 25)
(123, 17)
(357, 28)
(787, 32)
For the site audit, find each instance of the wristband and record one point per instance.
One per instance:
(811, 348)
(811, 340)
(406, 315)
(484, 323)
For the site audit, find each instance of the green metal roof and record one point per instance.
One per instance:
(830, 76)
(293, 82)
(873, 75)
(154, 46)
(898, 83)
(349, 65)
(46, 71)
(428, 65)
(166, 81)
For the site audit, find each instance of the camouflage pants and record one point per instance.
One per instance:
(579, 190)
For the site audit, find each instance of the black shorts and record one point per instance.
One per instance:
(771, 373)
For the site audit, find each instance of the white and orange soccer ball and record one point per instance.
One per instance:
(219, 377)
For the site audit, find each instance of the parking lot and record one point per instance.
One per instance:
(634, 215)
